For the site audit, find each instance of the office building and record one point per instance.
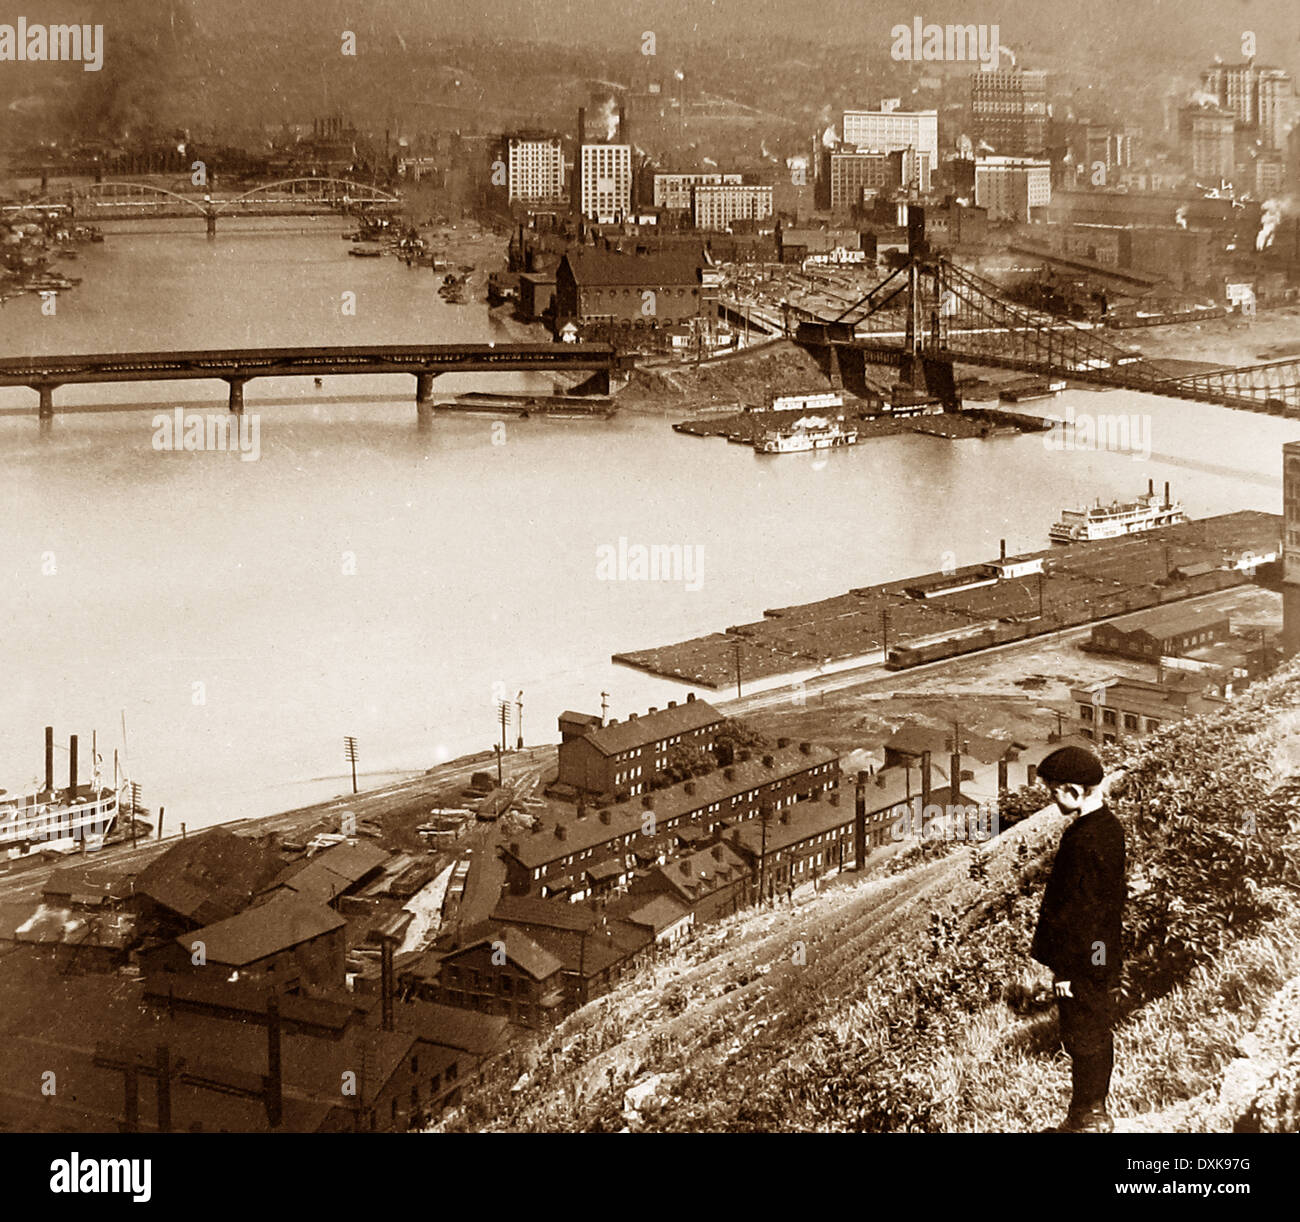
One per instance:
(1257, 97)
(1009, 111)
(606, 182)
(715, 207)
(1012, 189)
(674, 190)
(1210, 132)
(888, 128)
(535, 168)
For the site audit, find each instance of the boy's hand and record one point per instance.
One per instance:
(1062, 988)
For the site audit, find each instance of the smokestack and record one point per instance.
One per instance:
(860, 824)
(72, 765)
(274, 1070)
(49, 759)
(575, 191)
(1167, 500)
(954, 773)
(622, 126)
(925, 780)
(386, 983)
(1151, 487)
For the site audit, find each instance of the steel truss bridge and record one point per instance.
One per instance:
(931, 314)
(140, 200)
(237, 366)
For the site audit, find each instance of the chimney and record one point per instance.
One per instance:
(514, 848)
(604, 816)
(745, 755)
(631, 717)
(860, 823)
(1168, 502)
(49, 759)
(622, 125)
(717, 852)
(648, 801)
(386, 982)
(835, 797)
(690, 697)
(805, 748)
(782, 743)
(880, 779)
(653, 709)
(274, 1069)
(672, 704)
(1151, 487)
(72, 765)
(769, 761)
(785, 816)
(1002, 774)
(1002, 549)
(690, 786)
(954, 773)
(560, 831)
(925, 779)
(575, 187)
(729, 773)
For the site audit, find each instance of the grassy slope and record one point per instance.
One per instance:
(905, 999)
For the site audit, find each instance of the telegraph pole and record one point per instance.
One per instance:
(736, 646)
(519, 721)
(350, 752)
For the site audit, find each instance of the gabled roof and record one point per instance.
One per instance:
(704, 872)
(329, 874)
(658, 913)
(917, 738)
(279, 924)
(209, 877)
(601, 268)
(1167, 621)
(520, 949)
(683, 718)
(552, 914)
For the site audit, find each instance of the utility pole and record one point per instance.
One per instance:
(736, 646)
(884, 632)
(350, 751)
(503, 715)
(135, 806)
(764, 818)
(519, 720)
(1040, 593)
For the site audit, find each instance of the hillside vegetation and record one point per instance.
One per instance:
(904, 999)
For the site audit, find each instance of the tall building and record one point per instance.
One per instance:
(606, 182)
(1259, 98)
(1012, 188)
(1009, 111)
(535, 167)
(716, 206)
(674, 190)
(1210, 132)
(853, 169)
(1291, 549)
(888, 128)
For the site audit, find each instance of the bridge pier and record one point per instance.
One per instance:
(424, 398)
(212, 223)
(45, 412)
(237, 394)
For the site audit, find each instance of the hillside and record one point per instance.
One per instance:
(904, 999)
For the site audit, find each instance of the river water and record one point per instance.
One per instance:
(364, 578)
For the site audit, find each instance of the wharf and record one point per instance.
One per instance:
(1081, 583)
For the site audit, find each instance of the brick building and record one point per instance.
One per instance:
(1161, 632)
(621, 757)
(1131, 708)
(650, 290)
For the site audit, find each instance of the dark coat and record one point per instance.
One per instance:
(1084, 902)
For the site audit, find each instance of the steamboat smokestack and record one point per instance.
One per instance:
(72, 766)
(1168, 502)
(49, 759)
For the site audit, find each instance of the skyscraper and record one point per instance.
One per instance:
(1259, 98)
(888, 128)
(1009, 111)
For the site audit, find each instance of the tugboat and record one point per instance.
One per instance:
(807, 433)
(1118, 518)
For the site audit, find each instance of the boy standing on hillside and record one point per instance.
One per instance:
(1078, 933)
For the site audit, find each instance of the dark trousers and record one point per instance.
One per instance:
(1086, 1020)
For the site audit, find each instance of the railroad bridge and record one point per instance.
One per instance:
(237, 366)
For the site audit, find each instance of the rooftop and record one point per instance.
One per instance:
(683, 718)
(279, 924)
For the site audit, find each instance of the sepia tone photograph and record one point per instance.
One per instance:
(690, 566)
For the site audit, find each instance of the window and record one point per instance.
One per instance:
(1152, 723)
(1085, 712)
(434, 1083)
(1108, 717)
(452, 1071)
(1130, 721)
(415, 1064)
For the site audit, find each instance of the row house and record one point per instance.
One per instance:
(710, 883)
(622, 757)
(566, 840)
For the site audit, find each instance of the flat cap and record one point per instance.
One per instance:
(1071, 766)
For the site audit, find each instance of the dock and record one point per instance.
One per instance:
(1058, 587)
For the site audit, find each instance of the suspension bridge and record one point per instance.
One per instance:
(930, 315)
